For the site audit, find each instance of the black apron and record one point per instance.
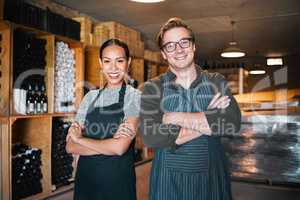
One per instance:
(102, 177)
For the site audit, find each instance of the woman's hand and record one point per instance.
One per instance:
(219, 102)
(74, 132)
(126, 130)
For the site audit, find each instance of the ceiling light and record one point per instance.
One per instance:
(255, 72)
(147, 1)
(232, 51)
(274, 61)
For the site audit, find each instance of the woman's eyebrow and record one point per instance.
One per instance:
(114, 58)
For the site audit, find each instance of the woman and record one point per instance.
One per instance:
(103, 132)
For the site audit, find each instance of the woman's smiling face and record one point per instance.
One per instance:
(114, 64)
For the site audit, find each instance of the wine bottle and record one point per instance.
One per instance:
(30, 101)
(44, 100)
(37, 100)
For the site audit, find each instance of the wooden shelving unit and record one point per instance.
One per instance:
(32, 130)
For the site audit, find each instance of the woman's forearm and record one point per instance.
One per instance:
(77, 149)
(112, 146)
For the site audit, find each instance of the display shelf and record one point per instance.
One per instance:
(32, 130)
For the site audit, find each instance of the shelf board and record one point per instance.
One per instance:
(72, 42)
(72, 114)
(44, 195)
(28, 29)
(62, 189)
(41, 195)
(4, 120)
(44, 115)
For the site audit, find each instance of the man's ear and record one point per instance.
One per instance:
(129, 62)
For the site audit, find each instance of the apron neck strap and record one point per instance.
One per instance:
(121, 93)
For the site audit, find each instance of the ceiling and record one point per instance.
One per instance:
(268, 28)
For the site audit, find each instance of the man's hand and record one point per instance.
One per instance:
(219, 102)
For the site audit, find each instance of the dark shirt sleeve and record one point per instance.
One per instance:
(224, 121)
(154, 133)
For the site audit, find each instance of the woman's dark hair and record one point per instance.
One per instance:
(117, 42)
(174, 22)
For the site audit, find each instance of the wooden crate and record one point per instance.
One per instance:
(100, 34)
(137, 70)
(85, 29)
(152, 70)
(94, 76)
(5, 63)
(139, 51)
(128, 35)
(153, 56)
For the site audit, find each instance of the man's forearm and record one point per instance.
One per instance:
(194, 121)
(187, 135)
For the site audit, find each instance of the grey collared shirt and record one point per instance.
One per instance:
(110, 96)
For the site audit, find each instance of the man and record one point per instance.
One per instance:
(183, 113)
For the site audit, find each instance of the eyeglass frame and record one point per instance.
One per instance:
(190, 39)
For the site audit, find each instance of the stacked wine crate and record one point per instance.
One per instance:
(100, 34)
(152, 61)
(107, 30)
(137, 70)
(153, 56)
(85, 29)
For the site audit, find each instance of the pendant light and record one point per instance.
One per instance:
(232, 51)
(147, 1)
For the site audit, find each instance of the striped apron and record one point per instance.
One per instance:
(196, 170)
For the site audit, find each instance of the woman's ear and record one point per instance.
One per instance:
(100, 61)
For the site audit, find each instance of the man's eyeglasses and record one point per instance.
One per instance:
(183, 43)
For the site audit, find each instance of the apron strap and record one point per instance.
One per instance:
(121, 94)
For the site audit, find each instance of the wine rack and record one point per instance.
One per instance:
(33, 130)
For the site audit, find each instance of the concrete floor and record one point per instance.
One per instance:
(241, 191)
